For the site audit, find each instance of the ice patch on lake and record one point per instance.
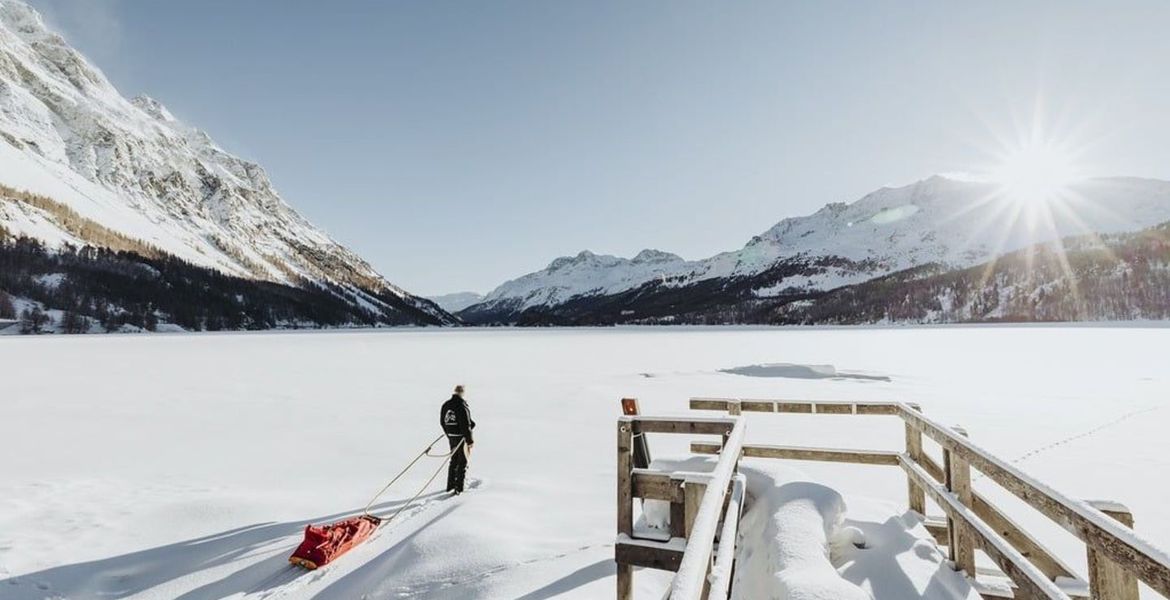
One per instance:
(795, 371)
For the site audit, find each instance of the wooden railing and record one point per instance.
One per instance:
(1117, 558)
(700, 503)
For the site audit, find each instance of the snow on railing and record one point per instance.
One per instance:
(689, 581)
(721, 571)
(1118, 557)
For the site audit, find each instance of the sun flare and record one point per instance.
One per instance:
(1036, 173)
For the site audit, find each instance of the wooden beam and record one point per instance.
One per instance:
(1028, 546)
(1108, 537)
(709, 404)
(625, 507)
(693, 497)
(696, 562)
(758, 405)
(914, 451)
(664, 556)
(864, 457)
(1107, 580)
(800, 406)
(962, 546)
(693, 425)
(937, 528)
(722, 570)
(625, 487)
(1031, 581)
(1015, 535)
(657, 485)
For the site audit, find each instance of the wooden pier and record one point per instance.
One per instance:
(705, 508)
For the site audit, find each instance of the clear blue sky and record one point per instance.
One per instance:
(459, 144)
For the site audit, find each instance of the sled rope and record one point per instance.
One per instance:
(425, 452)
(424, 487)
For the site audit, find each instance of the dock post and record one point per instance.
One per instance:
(1107, 580)
(625, 505)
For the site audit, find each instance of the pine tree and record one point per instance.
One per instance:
(7, 308)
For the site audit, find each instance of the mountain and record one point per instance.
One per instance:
(457, 301)
(940, 221)
(1113, 277)
(126, 174)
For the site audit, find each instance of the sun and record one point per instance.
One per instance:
(1037, 172)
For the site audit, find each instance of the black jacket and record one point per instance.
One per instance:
(455, 419)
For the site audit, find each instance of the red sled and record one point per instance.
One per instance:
(324, 543)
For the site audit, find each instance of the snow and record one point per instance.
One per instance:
(936, 220)
(187, 465)
(457, 301)
(129, 165)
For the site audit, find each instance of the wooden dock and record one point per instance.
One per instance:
(705, 509)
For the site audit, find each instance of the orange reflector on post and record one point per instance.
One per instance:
(630, 406)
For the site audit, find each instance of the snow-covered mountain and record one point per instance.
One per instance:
(457, 301)
(130, 167)
(938, 220)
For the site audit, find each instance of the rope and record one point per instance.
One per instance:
(426, 452)
(366, 510)
(427, 484)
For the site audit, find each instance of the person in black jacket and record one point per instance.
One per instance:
(455, 418)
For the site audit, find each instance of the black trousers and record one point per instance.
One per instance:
(457, 468)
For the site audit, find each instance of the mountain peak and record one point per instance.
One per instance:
(153, 107)
(652, 255)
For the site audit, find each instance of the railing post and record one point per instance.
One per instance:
(625, 505)
(958, 481)
(914, 451)
(1107, 580)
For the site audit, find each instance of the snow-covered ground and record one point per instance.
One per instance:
(186, 466)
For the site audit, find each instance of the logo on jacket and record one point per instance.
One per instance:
(449, 418)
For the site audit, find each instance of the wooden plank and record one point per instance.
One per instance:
(799, 406)
(692, 573)
(758, 406)
(693, 426)
(1107, 580)
(722, 570)
(664, 556)
(962, 548)
(1031, 581)
(1027, 545)
(625, 579)
(625, 507)
(914, 451)
(625, 488)
(678, 518)
(708, 404)
(656, 486)
(877, 409)
(864, 457)
(937, 528)
(692, 499)
(1112, 539)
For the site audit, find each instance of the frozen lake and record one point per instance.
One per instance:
(187, 465)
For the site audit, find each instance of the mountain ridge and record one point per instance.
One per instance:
(66, 133)
(935, 220)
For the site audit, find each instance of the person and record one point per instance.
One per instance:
(455, 418)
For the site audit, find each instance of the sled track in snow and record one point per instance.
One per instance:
(292, 579)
